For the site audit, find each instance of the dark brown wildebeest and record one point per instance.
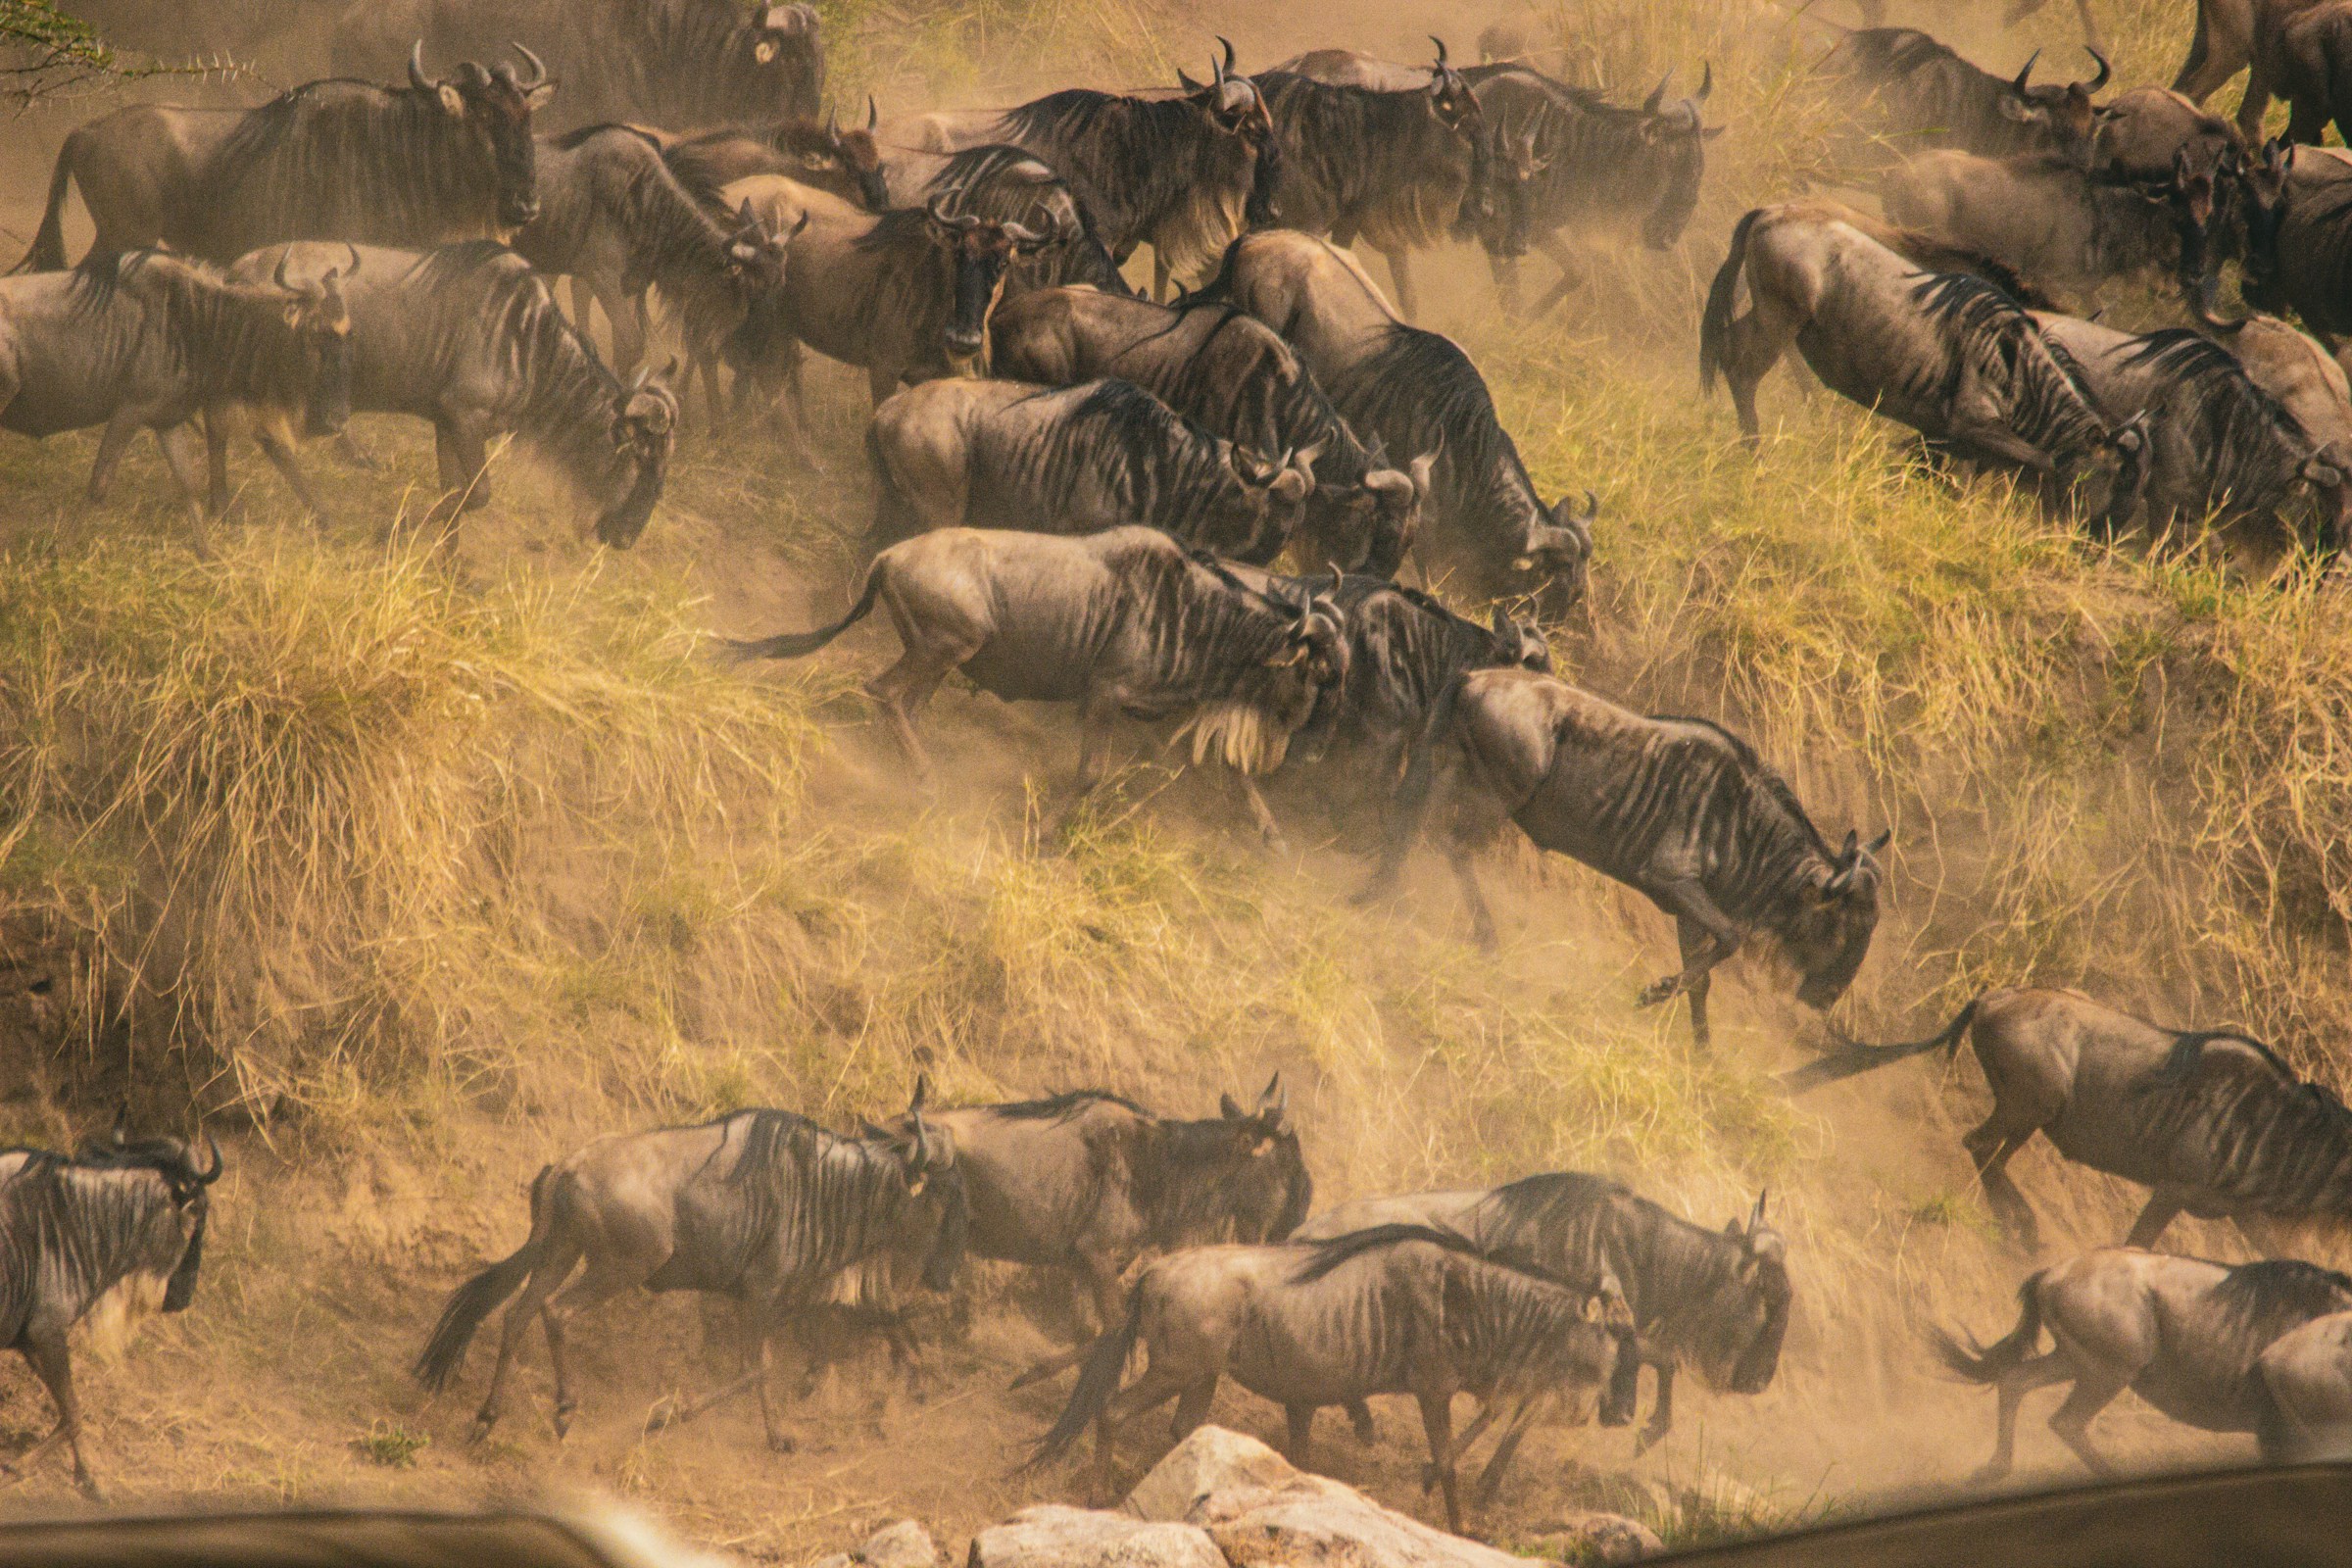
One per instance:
(763, 1208)
(1392, 165)
(427, 163)
(1235, 375)
(2139, 135)
(1182, 175)
(1919, 94)
(1004, 184)
(116, 1230)
(2212, 1120)
(2183, 1334)
(847, 163)
(1944, 353)
(2308, 61)
(1074, 459)
(2231, 34)
(660, 62)
(1411, 391)
(1398, 1310)
(2296, 217)
(1126, 621)
(150, 340)
(1678, 809)
(469, 338)
(1714, 1301)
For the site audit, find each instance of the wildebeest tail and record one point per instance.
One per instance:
(1990, 1362)
(48, 252)
(478, 1296)
(796, 644)
(1854, 1057)
(1097, 1382)
(1715, 324)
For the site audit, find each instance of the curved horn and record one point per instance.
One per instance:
(1592, 512)
(417, 77)
(2105, 70)
(1756, 1217)
(874, 112)
(1658, 94)
(278, 277)
(636, 383)
(352, 269)
(1706, 80)
(211, 1175)
(1228, 43)
(1441, 43)
(2023, 71)
(1023, 235)
(538, 66)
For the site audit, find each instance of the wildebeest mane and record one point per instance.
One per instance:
(1193, 1179)
(226, 338)
(1324, 1257)
(2240, 423)
(816, 1202)
(1118, 428)
(2268, 1298)
(2047, 406)
(1135, 162)
(92, 1215)
(1062, 1106)
(1760, 775)
(1418, 392)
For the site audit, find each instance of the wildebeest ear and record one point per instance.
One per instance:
(1730, 1228)
(1884, 838)
(1502, 624)
(922, 1092)
(540, 96)
(1230, 1106)
(1596, 1309)
(1421, 467)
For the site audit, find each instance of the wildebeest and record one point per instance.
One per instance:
(763, 1208)
(118, 1229)
(1563, 162)
(2303, 1392)
(1003, 183)
(2182, 1333)
(1679, 808)
(1944, 353)
(1235, 375)
(2139, 133)
(2219, 445)
(2308, 61)
(1181, 175)
(468, 338)
(2235, 33)
(1074, 459)
(1715, 1301)
(1400, 1310)
(2212, 1120)
(675, 63)
(427, 163)
(1920, 94)
(2293, 368)
(1415, 392)
(1125, 622)
(1929, 252)
(847, 163)
(1392, 165)
(149, 340)
(2297, 218)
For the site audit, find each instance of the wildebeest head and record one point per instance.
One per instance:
(1754, 1316)
(644, 431)
(1231, 106)
(856, 154)
(1512, 173)
(926, 1157)
(322, 324)
(1451, 103)
(495, 106)
(1369, 526)
(1828, 936)
(170, 1244)
(2262, 191)
(756, 253)
(1679, 133)
(1519, 642)
(777, 54)
(1269, 499)
(1265, 1144)
(2108, 481)
(1554, 563)
(979, 253)
(2062, 111)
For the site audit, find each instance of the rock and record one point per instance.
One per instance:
(1056, 1537)
(1263, 1513)
(905, 1544)
(1590, 1537)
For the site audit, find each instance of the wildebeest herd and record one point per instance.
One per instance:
(1192, 510)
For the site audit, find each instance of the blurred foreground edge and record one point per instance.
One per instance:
(350, 1538)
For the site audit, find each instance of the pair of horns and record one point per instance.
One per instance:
(2094, 85)
(1658, 94)
(504, 72)
(332, 274)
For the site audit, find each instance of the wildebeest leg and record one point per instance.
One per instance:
(1299, 1419)
(554, 1268)
(462, 449)
(621, 313)
(1490, 1480)
(2162, 1208)
(1661, 1414)
(182, 456)
(1360, 1415)
(1437, 1423)
(1487, 1411)
(112, 442)
(1160, 275)
(1694, 942)
(759, 1364)
(605, 1276)
(1400, 272)
(2252, 107)
(2093, 1392)
(1717, 940)
(1463, 858)
(281, 458)
(45, 1352)
(2214, 53)
(1990, 1146)
(1261, 815)
(2039, 1372)
(1155, 1387)
(1506, 269)
(1572, 270)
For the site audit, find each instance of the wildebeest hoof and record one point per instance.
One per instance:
(780, 1442)
(1658, 990)
(481, 1429)
(1647, 1439)
(563, 1414)
(1987, 1475)
(90, 1488)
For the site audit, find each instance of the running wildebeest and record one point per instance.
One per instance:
(1944, 353)
(468, 338)
(2212, 1120)
(1923, 95)
(1182, 175)
(1411, 391)
(1235, 375)
(683, 63)
(2219, 445)
(427, 163)
(1563, 164)
(2303, 1392)
(1125, 622)
(763, 1208)
(150, 340)
(1074, 459)
(1393, 165)
(117, 1228)
(1714, 1301)
(2182, 1333)
(1400, 1310)
(1678, 809)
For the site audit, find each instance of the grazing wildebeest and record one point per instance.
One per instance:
(1182, 175)
(1235, 375)
(427, 163)
(763, 1208)
(616, 221)
(468, 338)
(1563, 162)
(149, 340)
(1944, 353)
(1119, 623)
(1715, 1301)
(1678, 809)
(118, 1229)
(1920, 94)
(2182, 1333)
(1412, 391)
(2219, 445)
(1399, 1310)
(1004, 184)
(1074, 459)
(2293, 368)
(2050, 221)
(2303, 1392)
(661, 62)
(1392, 165)
(2211, 1120)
